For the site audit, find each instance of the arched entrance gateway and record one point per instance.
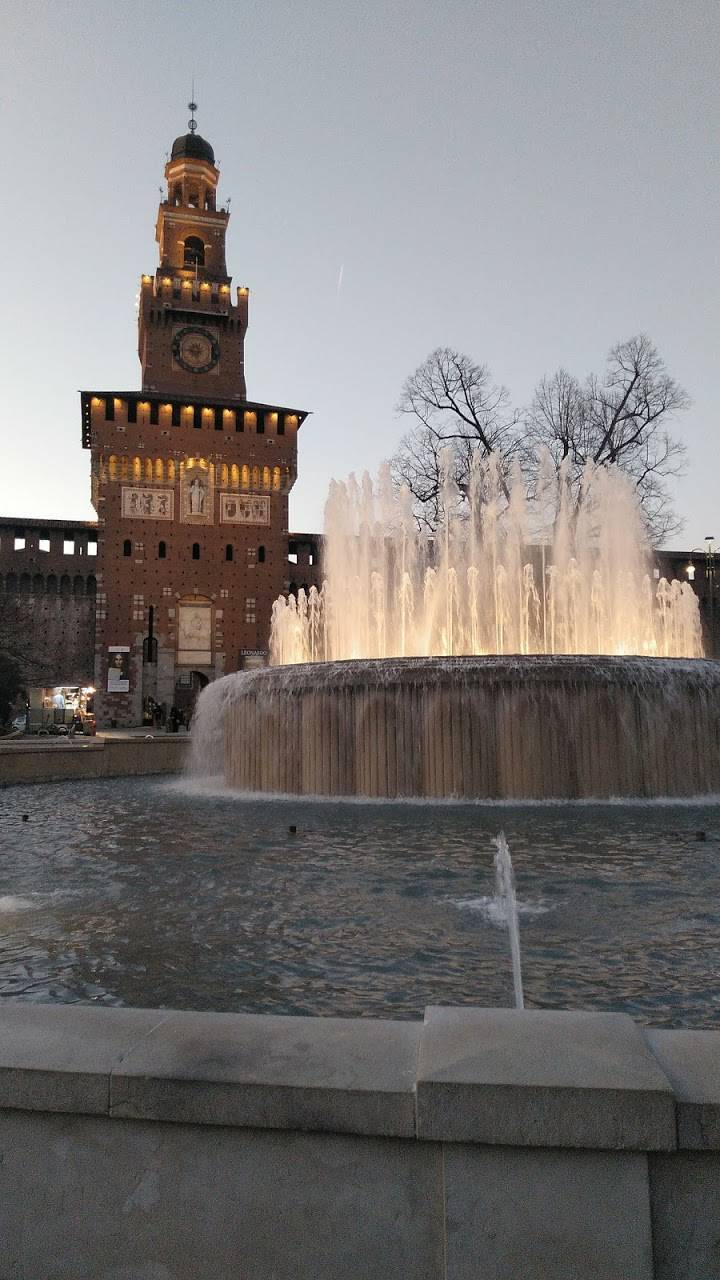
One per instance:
(187, 688)
(194, 651)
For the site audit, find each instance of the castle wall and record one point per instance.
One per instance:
(47, 599)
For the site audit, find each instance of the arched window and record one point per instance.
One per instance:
(78, 586)
(113, 467)
(196, 551)
(194, 252)
(38, 585)
(177, 195)
(91, 586)
(229, 551)
(162, 550)
(51, 584)
(261, 555)
(159, 469)
(127, 547)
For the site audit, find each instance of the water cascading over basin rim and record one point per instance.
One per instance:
(478, 727)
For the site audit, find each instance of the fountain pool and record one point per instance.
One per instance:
(158, 894)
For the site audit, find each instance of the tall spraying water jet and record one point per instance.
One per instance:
(524, 576)
(507, 901)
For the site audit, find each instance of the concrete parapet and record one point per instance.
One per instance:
(541, 1079)
(478, 1145)
(25, 762)
(344, 1075)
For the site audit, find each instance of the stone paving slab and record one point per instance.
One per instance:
(691, 1062)
(59, 1057)
(541, 1078)
(333, 1074)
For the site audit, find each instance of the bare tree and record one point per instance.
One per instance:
(619, 419)
(18, 664)
(457, 408)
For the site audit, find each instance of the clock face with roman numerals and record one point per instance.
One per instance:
(195, 349)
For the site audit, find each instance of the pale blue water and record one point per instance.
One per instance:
(139, 892)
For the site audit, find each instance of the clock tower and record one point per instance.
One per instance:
(190, 479)
(195, 338)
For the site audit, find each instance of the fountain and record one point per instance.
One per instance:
(525, 650)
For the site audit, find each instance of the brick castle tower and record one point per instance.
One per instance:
(190, 479)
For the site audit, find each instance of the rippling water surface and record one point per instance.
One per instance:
(147, 893)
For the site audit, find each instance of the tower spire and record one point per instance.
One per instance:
(192, 108)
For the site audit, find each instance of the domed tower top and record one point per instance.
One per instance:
(192, 145)
(190, 228)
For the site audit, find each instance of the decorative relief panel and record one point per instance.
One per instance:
(194, 631)
(148, 504)
(244, 508)
(196, 496)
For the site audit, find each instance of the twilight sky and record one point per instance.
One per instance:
(529, 181)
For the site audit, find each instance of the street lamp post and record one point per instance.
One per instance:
(710, 575)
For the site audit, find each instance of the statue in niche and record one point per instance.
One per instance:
(196, 494)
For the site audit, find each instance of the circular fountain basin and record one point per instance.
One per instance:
(477, 728)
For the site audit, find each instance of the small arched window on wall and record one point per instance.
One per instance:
(127, 547)
(261, 555)
(196, 551)
(194, 252)
(229, 551)
(162, 550)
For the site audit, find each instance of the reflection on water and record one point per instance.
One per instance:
(140, 892)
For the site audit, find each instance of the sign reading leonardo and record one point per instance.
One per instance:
(148, 504)
(244, 508)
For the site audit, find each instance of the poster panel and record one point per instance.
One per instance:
(118, 677)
